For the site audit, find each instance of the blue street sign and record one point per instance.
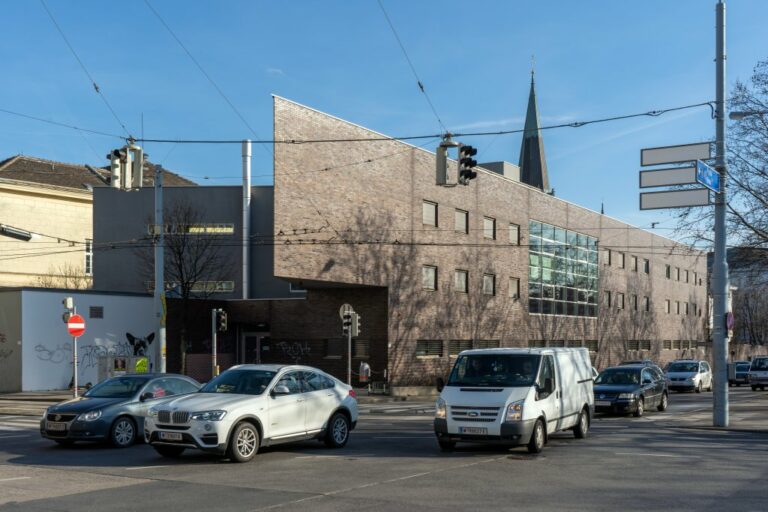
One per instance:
(707, 176)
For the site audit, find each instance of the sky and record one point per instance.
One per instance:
(593, 59)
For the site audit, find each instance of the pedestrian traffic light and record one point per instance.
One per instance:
(346, 323)
(221, 320)
(356, 324)
(466, 163)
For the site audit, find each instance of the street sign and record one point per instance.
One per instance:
(76, 326)
(345, 309)
(676, 154)
(674, 199)
(707, 176)
(668, 177)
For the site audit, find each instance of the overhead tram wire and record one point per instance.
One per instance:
(204, 72)
(63, 125)
(85, 69)
(413, 68)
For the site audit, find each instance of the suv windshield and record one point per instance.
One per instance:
(618, 376)
(760, 365)
(240, 382)
(742, 367)
(505, 370)
(683, 367)
(118, 387)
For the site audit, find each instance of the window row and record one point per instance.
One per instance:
(430, 217)
(336, 348)
(682, 308)
(488, 284)
(677, 275)
(591, 345)
(619, 259)
(678, 344)
(436, 348)
(616, 299)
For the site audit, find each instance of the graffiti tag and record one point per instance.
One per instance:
(295, 350)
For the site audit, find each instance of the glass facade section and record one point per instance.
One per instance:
(563, 271)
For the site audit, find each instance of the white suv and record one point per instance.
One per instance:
(250, 406)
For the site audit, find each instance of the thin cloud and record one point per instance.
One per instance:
(275, 72)
(507, 121)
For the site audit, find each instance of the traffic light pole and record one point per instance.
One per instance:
(349, 356)
(214, 363)
(74, 356)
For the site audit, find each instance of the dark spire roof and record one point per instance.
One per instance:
(533, 164)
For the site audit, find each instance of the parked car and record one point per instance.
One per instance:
(515, 396)
(112, 410)
(631, 389)
(738, 373)
(689, 375)
(643, 362)
(255, 405)
(758, 373)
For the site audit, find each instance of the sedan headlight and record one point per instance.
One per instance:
(208, 415)
(626, 396)
(440, 409)
(90, 415)
(515, 411)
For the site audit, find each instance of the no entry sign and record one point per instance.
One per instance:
(76, 326)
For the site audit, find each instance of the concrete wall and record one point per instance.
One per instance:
(51, 211)
(10, 341)
(47, 346)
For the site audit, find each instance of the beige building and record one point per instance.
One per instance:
(51, 204)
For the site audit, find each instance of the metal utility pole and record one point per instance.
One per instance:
(74, 356)
(720, 266)
(246, 216)
(214, 348)
(159, 301)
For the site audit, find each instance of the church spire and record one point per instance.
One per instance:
(533, 164)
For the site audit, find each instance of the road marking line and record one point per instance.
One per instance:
(15, 478)
(9, 437)
(659, 455)
(136, 468)
(404, 437)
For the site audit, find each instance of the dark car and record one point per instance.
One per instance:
(642, 362)
(738, 373)
(630, 389)
(113, 410)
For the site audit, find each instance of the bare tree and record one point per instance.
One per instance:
(196, 261)
(751, 313)
(66, 276)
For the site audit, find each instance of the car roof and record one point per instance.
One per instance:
(628, 367)
(275, 367)
(520, 350)
(687, 361)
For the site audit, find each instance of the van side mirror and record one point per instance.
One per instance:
(146, 396)
(440, 384)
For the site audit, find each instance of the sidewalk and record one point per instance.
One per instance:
(747, 415)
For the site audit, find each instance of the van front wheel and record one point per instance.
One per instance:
(536, 444)
(582, 426)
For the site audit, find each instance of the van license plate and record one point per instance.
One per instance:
(473, 430)
(55, 426)
(170, 436)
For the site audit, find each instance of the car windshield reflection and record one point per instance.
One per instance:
(240, 382)
(118, 387)
(487, 370)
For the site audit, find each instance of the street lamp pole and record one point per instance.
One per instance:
(720, 266)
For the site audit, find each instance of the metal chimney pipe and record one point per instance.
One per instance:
(246, 237)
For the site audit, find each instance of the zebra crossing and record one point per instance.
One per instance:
(10, 425)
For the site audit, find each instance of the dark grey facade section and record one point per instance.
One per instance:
(123, 252)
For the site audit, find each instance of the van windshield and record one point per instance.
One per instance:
(495, 370)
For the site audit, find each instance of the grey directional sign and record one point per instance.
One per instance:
(674, 199)
(668, 177)
(676, 154)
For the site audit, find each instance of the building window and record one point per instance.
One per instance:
(677, 273)
(88, 257)
(677, 344)
(461, 281)
(429, 213)
(429, 348)
(361, 348)
(335, 348)
(489, 284)
(563, 271)
(693, 306)
(667, 304)
(608, 298)
(607, 257)
(634, 302)
(686, 276)
(514, 234)
(621, 257)
(686, 309)
(633, 263)
(557, 343)
(514, 287)
(633, 345)
(429, 277)
(296, 288)
(461, 221)
(96, 312)
(489, 228)
(573, 343)
(619, 300)
(666, 345)
(195, 229)
(646, 303)
(695, 278)
(677, 307)
(668, 271)
(455, 347)
(591, 345)
(487, 344)
(646, 266)
(645, 344)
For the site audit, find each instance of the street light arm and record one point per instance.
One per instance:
(738, 115)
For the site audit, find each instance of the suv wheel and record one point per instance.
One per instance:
(337, 434)
(243, 443)
(123, 432)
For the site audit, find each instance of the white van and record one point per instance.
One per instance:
(515, 396)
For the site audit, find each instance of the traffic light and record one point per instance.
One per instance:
(221, 320)
(69, 308)
(346, 323)
(356, 324)
(466, 163)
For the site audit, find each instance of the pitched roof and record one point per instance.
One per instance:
(533, 163)
(75, 176)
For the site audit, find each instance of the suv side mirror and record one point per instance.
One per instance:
(440, 384)
(281, 389)
(148, 395)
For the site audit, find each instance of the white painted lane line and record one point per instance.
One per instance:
(9, 437)
(15, 478)
(405, 437)
(136, 468)
(659, 455)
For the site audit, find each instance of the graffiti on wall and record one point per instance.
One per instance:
(294, 351)
(87, 355)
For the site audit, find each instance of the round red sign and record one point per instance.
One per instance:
(76, 326)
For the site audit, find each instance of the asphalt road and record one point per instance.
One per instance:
(392, 463)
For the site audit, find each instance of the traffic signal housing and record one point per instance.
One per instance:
(346, 323)
(356, 324)
(466, 164)
(221, 320)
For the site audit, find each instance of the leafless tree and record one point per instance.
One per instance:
(66, 276)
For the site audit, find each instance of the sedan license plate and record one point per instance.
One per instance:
(55, 426)
(473, 430)
(170, 436)
(602, 403)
